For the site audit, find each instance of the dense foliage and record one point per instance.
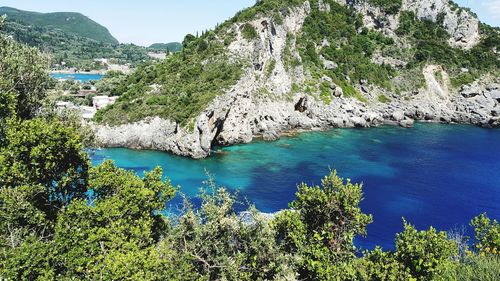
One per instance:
(75, 43)
(117, 231)
(183, 84)
(23, 81)
(321, 226)
(42, 168)
(111, 83)
(350, 49)
(69, 50)
(430, 42)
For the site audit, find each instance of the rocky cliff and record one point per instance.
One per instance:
(290, 82)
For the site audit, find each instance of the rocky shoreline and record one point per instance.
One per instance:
(268, 104)
(236, 118)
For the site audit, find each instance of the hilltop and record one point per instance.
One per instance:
(71, 23)
(72, 40)
(284, 66)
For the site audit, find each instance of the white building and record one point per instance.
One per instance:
(88, 112)
(65, 105)
(100, 102)
(158, 56)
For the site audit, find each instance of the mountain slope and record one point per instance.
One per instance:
(300, 65)
(70, 49)
(71, 23)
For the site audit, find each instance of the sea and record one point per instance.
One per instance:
(430, 175)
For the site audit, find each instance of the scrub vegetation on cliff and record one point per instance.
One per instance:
(347, 43)
(430, 45)
(332, 34)
(178, 88)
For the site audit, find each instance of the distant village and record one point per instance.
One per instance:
(87, 112)
(89, 92)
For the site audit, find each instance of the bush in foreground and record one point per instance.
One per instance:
(62, 220)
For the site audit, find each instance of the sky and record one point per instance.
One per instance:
(158, 21)
(143, 22)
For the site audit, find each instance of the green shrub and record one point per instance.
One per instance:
(325, 93)
(487, 234)
(249, 32)
(473, 268)
(271, 64)
(430, 44)
(187, 85)
(384, 99)
(463, 79)
(311, 228)
(389, 6)
(426, 254)
(380, 265)
(350, 49)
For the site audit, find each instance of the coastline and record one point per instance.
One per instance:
(237, 118)
(69, 72)
(142, 135)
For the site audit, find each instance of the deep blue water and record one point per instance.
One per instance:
(77, 76)
(439, 175)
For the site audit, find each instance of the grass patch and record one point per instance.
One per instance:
(249, 32)
(384, 99)
(271, 65)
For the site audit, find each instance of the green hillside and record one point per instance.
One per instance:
(77, 45)
(172, 47)
(74, 51)
(71, 23)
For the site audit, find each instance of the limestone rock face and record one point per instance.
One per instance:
(460, 24)
(265, 104)
(154, 133)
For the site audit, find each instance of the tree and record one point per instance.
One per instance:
(187, 40)
(114, 237)
(378, 265)
(42, 169)
(46, 159)
(24, 79)
(426, 254)
(321, 226)
(117, 235)
(487, 234)
(222, 245)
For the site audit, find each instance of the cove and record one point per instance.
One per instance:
(80, 77)
(432, 174)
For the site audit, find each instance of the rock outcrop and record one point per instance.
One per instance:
(237, 118)
(460, 24)
(264, 103)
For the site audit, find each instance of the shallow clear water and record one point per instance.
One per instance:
(77, 76)
(439, 175)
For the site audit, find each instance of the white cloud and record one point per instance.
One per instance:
(492, 7)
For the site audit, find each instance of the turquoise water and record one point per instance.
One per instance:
(78, 77)
(440, 175)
